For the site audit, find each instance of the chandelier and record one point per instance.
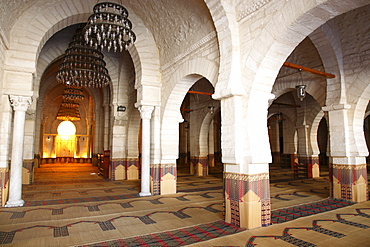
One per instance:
(72, 94)
(82, 65)
(109, 27)
(69, 104)
(68, 114)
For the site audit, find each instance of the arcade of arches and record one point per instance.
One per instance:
(205, 85)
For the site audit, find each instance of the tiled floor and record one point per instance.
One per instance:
(69, 205)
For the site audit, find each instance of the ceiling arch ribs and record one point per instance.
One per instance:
(229, 81)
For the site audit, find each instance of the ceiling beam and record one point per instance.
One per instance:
(313, 71)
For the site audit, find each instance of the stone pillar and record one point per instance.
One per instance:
(246, 155)
(247, 199)
(164, 178)
(106, 126)
(132, 168)
(146, 114)
(348, 173)
(20, 105)
(4, 185)
(211, 145)
(163, 172)
(199, 165)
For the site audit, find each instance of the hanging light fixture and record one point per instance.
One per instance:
(73, 94)
(82, 65)
(109, 27)
(69, 104)
(301, 89)
(68, 114)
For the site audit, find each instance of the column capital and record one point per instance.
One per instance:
(146, 111)
(20, 103)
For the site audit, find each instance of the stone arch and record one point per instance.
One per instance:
(179, 84)
(262, 62)
(229, 81)
(358, 122)
(326, 42)
(313, 133)
(292, 30)
(203, 134)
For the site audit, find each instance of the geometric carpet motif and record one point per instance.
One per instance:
(178, 237)
(93, 208)
(290, 213)
(79, 200)
(320, 206)
(7, 237)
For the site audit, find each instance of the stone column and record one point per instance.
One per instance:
(303, 158)
(348, 169)
(211, 145)
(146, 114)
(20, 105)
(246, 154)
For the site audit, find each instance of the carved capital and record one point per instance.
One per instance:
(20, 103)
(146, 111)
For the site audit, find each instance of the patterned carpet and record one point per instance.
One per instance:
(179, 237)
(90, 211)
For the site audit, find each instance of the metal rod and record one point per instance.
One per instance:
(196, 92)
(313, 71)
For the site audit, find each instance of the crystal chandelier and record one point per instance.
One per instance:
(109, 27)
(82, 65)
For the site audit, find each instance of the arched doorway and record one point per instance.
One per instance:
(200, 132)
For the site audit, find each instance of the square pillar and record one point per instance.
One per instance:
(349, 182)
(163, 179)
(247, 199)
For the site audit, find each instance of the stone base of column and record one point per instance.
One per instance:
(307, 167)
(27, 171)
(349, 182)
(312, 163)
(4, 185)
(13, 204)
(118, 169)
(124, 168)
(132, 168)
(199, 166)
(145, 194)
(247, 200)
(211, 160)
(163, 179)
